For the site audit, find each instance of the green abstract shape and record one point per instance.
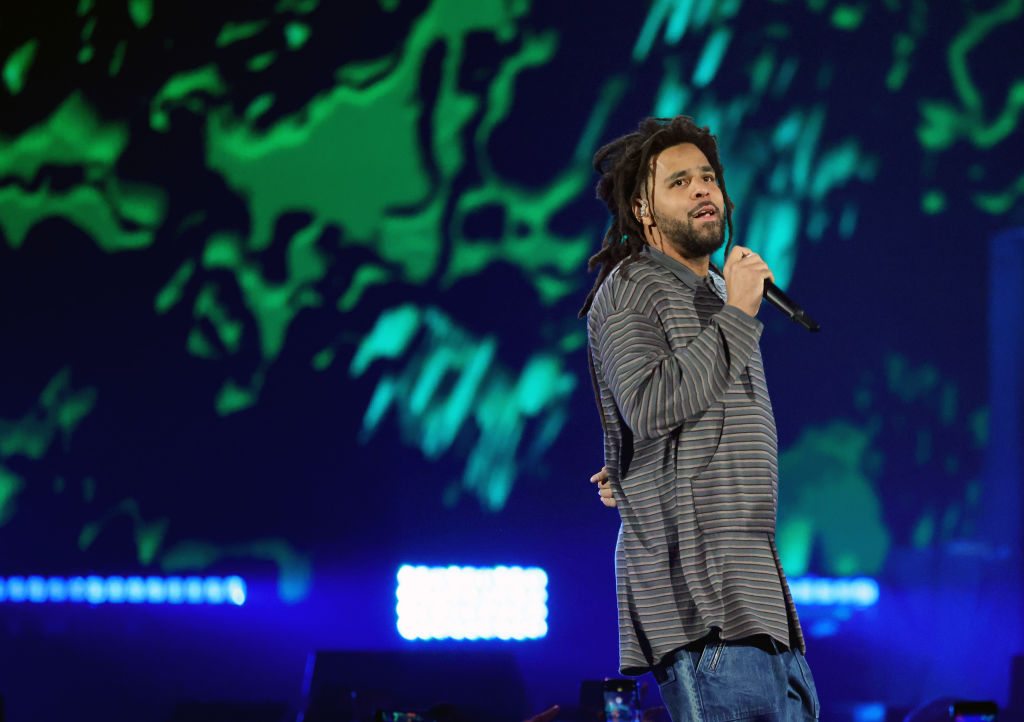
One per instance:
(88, 28)
(116, 59)
(231, 33)
(299, 7)
(207, 306)
(572, 341)
(1002, 202)
(673, 94)
(73, 135)
(933, 201)
(296, 34)
(17, 66)
(536, 51)
(172, 293)
(323, 359)
(259, 63)
(924, 531)
(365, 276)
(141, 12)
(652, 23)
(58, 412)
(390, 336)
(525, 241)
(848, 17)
(259, 106)
(907, 382)
(295, 570)
(140, 203)
(187, 89)
(85, 54)
(101, 207)
(451, 385)
(542, 379)
(272, 304)
(761, 72)
(828, 502)
(147, 535)
(979, 426)
(10, 486)
(319, 162)
(232, 398)
(943, 123)
(773, 229)
(836, 166)
(711, 57)
(902, 47)
(199, 345)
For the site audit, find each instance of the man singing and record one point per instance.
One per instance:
(689, 437)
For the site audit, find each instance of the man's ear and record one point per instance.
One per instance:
(642, 212)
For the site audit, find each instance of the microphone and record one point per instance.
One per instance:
(774, 295)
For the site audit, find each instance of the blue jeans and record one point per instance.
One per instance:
(749, 679)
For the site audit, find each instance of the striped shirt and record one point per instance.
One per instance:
(690, 446)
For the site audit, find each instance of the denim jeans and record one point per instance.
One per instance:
(748, 679)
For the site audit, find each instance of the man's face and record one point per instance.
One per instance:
(689, 208)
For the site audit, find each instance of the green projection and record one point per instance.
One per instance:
(17, 66)
(48, 426)
(378, 177)
(450, 382)
(830, 503)
(118, 215)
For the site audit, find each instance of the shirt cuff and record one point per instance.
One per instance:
(742, 331)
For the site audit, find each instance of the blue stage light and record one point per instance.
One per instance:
(95, 589)
(821, 591)
(469, 603)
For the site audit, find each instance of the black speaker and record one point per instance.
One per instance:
(349, 686)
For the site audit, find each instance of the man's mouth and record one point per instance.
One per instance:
(706, 212)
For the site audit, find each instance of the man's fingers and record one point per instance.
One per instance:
(600, 476)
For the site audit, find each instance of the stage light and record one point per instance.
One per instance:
(821, 591)
(470, 603)
(95, 589)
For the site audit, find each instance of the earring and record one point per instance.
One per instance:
(643, 209)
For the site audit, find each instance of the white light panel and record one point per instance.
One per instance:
(821, 591)
(468, 603)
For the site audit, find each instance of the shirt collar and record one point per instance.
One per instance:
(685, 274)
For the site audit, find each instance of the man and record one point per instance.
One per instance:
(689, 437)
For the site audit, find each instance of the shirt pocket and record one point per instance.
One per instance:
(734, 499)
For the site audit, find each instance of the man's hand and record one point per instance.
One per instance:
(604, 487)
(745, 274)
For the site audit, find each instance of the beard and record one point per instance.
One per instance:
(692, 240)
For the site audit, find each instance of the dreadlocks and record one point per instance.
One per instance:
(625, 166)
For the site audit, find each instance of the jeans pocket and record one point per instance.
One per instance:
(810, 691)
(710, 655)
(739, 682)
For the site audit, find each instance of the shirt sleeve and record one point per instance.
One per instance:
(655, 388)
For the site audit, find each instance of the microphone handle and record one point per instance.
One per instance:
(774, 295)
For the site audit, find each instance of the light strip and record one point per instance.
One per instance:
(94, 589)
(469, 603)
(824, 592)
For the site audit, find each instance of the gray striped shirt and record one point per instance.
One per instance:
(690, 447)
